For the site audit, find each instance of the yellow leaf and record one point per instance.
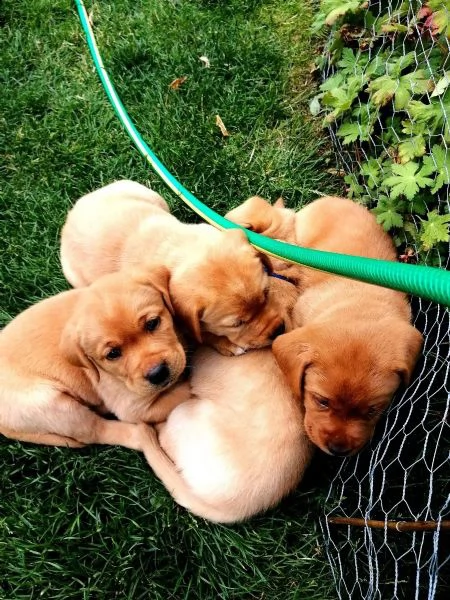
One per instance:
(220, 124)
(176, 83)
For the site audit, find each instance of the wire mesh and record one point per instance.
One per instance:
(403, 475)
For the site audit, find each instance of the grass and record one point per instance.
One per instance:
(96, 524)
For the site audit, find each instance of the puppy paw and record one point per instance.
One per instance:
(227, 348)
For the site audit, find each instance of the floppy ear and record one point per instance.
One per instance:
(411, 341)
(239, 235)
(189, 304)
(293, 356)
(191, 315)
(157, 276)
(255, 214)
(160, 279)
(71, 346)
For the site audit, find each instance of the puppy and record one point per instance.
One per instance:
(218, 282)
(354, 344)
(238, 442)
(107, 348)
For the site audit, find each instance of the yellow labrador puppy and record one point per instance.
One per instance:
(353, 344)
(238, 441)
(218, 281)
(107, 348)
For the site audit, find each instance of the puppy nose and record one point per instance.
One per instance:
(278, 331)
(337, 449)
(158, 375)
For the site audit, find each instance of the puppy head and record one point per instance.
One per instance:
(123, 327)
(346, 376)
(226, 292)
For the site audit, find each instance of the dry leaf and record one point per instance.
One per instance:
(338, 172)
(91, 18)
(220, 124)
(176, 83)
(205, 61)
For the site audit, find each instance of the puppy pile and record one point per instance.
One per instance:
(237, 436)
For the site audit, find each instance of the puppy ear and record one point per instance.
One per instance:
(160, 279)
(411, 341)
(279, 203)
(255, 213)
(191, 316)
(157, 276)
(71, 347)
(293, 356)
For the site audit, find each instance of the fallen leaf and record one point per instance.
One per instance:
(91, 18)
(220, 124)
(176, 83)
(314, 106)
(337, 172)
(205, 61)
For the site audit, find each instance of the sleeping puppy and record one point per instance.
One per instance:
(107, 348)
(238, 442)
(218, 282)
(354, 344)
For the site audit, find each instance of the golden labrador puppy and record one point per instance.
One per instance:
(218, 282)
(354, 344)
(107, 348)
(238, 441)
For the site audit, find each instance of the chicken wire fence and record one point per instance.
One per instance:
(403, 475)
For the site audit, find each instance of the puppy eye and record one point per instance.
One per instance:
(322, 402)
(239, 323)
(114, 353)
(372, 412)
(152, 324)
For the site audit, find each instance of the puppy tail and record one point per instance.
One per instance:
(173, 481)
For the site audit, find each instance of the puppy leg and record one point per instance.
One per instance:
(160, 410)
(62, 417)
(87, 427)
(48, 439)
(167, 472)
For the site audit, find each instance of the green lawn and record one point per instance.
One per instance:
(96, 524)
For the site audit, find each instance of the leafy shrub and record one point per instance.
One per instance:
(387, 98)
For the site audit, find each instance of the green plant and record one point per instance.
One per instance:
(389, 98)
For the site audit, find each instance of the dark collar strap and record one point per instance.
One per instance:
(278, 276)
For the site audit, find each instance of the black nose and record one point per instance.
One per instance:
(158, 375)
(278, 331)
(337, 449)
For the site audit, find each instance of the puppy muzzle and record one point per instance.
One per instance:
(158, 375)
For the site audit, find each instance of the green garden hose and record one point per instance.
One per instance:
(426, 282)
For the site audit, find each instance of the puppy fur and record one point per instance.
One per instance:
(72, 357)
(218, 282)
(238, 442)
(354, 344)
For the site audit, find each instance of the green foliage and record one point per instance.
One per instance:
(389, 100)
(434, 229)
(406, 180)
